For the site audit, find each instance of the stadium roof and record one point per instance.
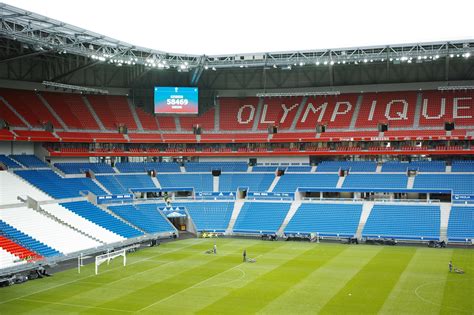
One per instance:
(43, 34)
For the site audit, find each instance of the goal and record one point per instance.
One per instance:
(108, 257)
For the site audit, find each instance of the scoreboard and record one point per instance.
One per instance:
(176, 100)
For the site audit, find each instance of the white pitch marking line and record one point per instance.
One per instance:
(73, 281)
(242, 275)
(77, 305)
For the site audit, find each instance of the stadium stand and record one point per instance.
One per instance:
(355, 166)
(82, 224)
(58, 187)
(8, 259)
(325, 219)
(13, 186)
(459, 183)
(279, 111)
(395, 166)
(113, 111)
(375, 181)
(102, 218)
(17, 250)
(27, 241)
(290, 182)
(46, 230)
(209, 166)
(237, 113)
(112, 184)
(410, 222)
(460, 166)
(209, 216)
(79, 168)
(147, 219)
(255, 182)
(205, 121)
(261, 217)
(439, 107)
(28, 160)
(298, 169)
(428, 166)
(461, 224)
(200, 182)
(147, 120)
(160, 167)
(9, 162)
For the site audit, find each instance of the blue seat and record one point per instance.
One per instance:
(9, 162)
(200, 182)
(289, 182)
(28, 160)
(79, 168)
(146, 218)
(255, 182)
(209, 216)
(461, 224)
(375, 181)
(261, 217)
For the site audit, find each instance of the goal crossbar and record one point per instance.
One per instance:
(108, 257)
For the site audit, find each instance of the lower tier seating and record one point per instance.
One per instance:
(461, 224)
(148, 219)
(17, 187)
(209, 216)
(261, 217)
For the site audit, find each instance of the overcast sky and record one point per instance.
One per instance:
(246, 26)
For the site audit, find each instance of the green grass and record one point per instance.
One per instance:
(288, 278)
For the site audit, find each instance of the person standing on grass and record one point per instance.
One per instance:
(450, 266)
(244, 255)
(215, 248)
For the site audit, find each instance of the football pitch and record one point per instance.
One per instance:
(287, 278)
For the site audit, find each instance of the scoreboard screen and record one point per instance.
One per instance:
(176, 100)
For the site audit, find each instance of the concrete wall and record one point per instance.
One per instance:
(9, 147)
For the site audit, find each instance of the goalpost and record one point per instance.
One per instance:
(108, 257)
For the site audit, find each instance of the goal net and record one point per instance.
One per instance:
(108, 257)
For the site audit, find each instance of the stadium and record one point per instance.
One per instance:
(133, 180)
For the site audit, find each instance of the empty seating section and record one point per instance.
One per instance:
(113, 111)
(459, 166)
(5, 160)
(8, 115)
(58, 187)
(28, 160)
(46, 230)
(200, 182)
(147, 120)
(397, 109)
(325, 219)
(333, 111)
(209, 166)
(166, 123)
(205, 121)
(461, 224)
(289, 182)
(27, 241)
(102, 218)
(395, 166)
(439, 107)
(261, 217)
(255, 182)
(13, 186)
(376, 181)
(237, 113)
(112, 184)
(149, 220)
(403, 222)
(135, 181)
(459, 183)
(7, 259)
(19, 251)
(355, 166)
(298, 169)
(82, 223)
(72, 110)
(30, 107)
(209, 216)
(279, 111)
(160, 167)
(78, 168)
(428, 166)
(259, 168)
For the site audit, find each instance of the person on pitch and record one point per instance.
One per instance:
(244, 254)
(450, 265)
(215, 248)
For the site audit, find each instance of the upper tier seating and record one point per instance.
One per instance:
(118, 184)
(148, 120)
(255, 182)
(16, 249)
(237, 113)
(13, 186)
(112, 185)
(209, 166)
(27, 241)
(403, 222)
(72, 110)
(279, 111)
(333, 111)
(28, 160)
(148, 219)
(397, 109)
(439, 107)
(113, 111)
(102, 218)
(200, 182)
(289, 182)
(30, 107)
(205, 121)
(462, 166)
(46, 230)
(166, 123)
(375, 181)
(79, 168)
(459, 183)
(8, 115)
(261, 217)
(353, 166)
(9, 162)
(461, 224)
(82, 223)
(209, 216)
(325, 219)
(58, 187)
(160, 167)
